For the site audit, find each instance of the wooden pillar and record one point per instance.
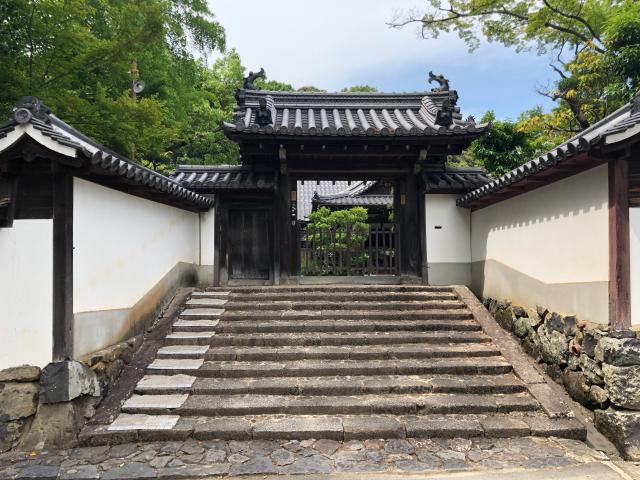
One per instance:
(63, 266)
(619, 248)
(412, 228)
(422, 231)
(283, 224)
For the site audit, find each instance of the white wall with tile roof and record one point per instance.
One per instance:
(26, 293)
(547, 247)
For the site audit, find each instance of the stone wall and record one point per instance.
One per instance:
(48, 407)
(599, 367)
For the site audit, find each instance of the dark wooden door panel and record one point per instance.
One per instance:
(250, 252)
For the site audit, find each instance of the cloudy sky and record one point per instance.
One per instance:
(337, 43)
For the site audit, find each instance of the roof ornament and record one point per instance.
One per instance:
(251, 78)
(443, 82)
(30, 107)
(266, 113)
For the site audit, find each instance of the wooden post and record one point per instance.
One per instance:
(422, 231)
(62, 266)
(619, 248)
(411, 228)
(283, 224)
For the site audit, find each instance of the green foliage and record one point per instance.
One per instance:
(76, 55)
(274, 85)
(507, 144)
(595, 44)
(340, 233)
(360, 88)
(310, 88)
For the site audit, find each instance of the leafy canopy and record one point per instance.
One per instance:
(595, 46)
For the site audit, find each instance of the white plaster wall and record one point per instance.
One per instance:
(124, 245)
(207, 235)
(634, 231)
(452, 242)
(26, 293)
(548, 245)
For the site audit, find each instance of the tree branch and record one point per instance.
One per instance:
(573, 17)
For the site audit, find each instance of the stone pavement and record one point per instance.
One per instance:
(207, 459)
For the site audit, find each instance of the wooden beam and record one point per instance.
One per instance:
(62, 266)
(619, 246)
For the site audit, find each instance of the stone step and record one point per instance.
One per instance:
(207, 302)
(279, 296)
(356, 303)
(332, 339)
(331, 386)
(252, 315)
(129, 428)
(353, 352)
(283, 326)
(332, 289)
(395, 404)
(201, 313)
(195, 326)
(189, 338)
(322, 368)
(183, 351)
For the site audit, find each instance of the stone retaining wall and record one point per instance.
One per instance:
(599, 367)
(42, 408)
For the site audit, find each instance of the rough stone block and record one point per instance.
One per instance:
(23, 373)
(505, 318)
(623, 429)
(621, 352)
(64, 381)
(18, 400)
(554, 346)
(623, 385)
(577, 386)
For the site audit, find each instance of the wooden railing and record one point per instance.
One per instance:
(349, 250)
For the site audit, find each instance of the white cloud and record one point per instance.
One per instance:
(337, 43)
(325, 43)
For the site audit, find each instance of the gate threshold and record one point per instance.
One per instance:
(356, 280)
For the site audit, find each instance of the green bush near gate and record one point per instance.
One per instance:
(337, 240)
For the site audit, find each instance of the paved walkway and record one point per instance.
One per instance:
(516, 458)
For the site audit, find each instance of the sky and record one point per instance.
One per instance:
(333, 44)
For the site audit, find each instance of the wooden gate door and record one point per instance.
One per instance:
(250, 246)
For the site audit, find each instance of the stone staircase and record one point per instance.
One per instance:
(335, 362)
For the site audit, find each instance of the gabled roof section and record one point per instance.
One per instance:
(611, 133)
(313, 114)
(454, 180)
(225, 177)
(32, 119)
(354, 195)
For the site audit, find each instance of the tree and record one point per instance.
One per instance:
(503, 147)
(360, 88)
(595, 46)
(335, 236)
(76, 55)
(310, 88)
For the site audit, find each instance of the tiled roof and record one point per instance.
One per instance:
(349, 114)
(354, 195)
(31, 113)
(308, 189)
(359, 200)
(224, 177)
(453, 179)
(620, 126)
